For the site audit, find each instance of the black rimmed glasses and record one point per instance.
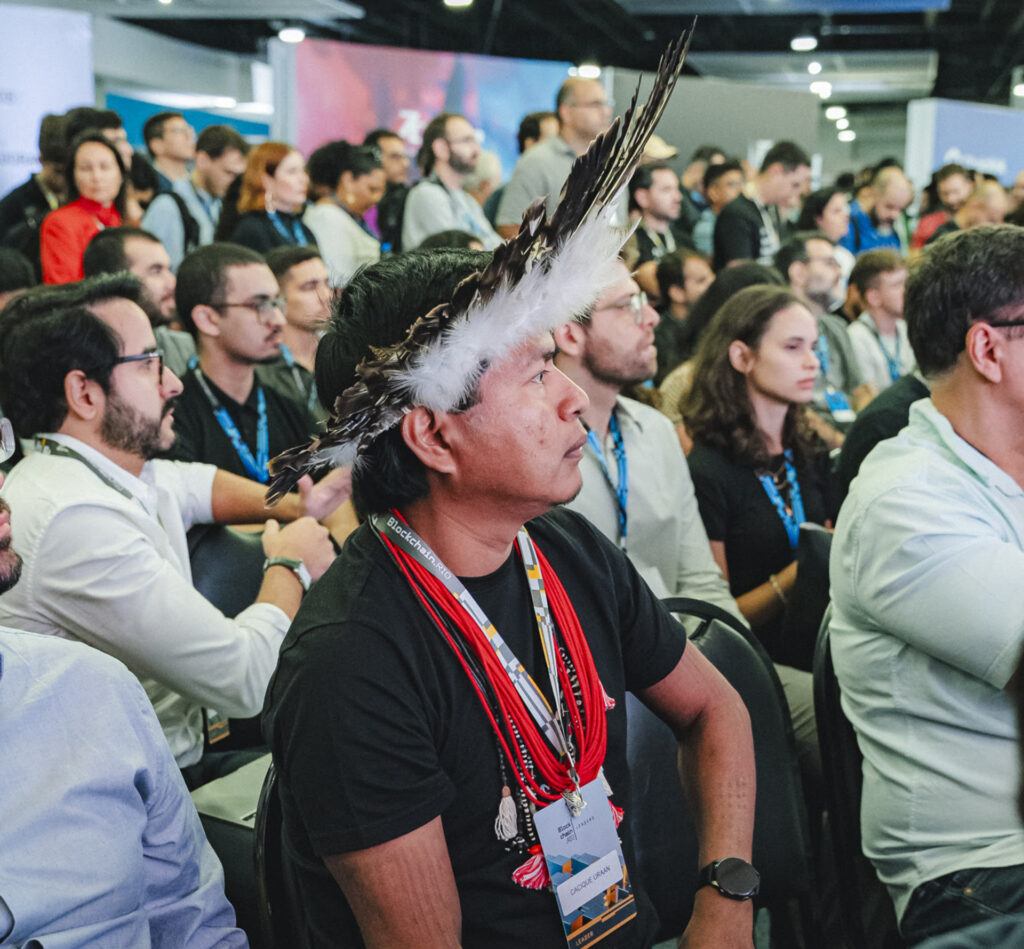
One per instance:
(145, 357)
(262, 308)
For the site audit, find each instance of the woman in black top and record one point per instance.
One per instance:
(271, 199)
(757, 470)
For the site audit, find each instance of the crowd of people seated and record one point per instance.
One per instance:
(758, 362)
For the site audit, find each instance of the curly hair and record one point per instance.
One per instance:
(717, 411)
(263, 158)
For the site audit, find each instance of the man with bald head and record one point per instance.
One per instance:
(583, 113)
(873, 220)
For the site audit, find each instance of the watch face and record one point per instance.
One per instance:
(737, 877)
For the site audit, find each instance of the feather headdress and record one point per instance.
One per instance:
(549, 273)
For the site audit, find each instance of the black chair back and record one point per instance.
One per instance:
(663, 832)
(841, 762)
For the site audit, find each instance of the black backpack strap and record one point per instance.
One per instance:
(190, 224)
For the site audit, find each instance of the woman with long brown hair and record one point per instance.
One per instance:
(271, 199)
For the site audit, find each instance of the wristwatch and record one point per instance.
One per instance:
(732, 877)
(296, 566)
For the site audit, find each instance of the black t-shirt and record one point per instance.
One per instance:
(376, 729)
(199, 436)
(737, 511)
(256, 231)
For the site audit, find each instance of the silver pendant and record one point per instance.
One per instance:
(574, 801)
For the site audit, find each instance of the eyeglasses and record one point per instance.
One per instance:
(635, 304)
(7, 442)
(145, 357)
(262, 308)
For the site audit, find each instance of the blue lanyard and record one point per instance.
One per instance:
(793, 518)
(258, 468)
(297, 236)
(823, 353)
(289, 361)
(893, 362)
(621, 490)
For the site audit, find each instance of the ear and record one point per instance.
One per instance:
(206, 319)
(870, 297)
(439, 146)
(676, 293)
(741, 356)
(345, 181)
(85, 397)
(267, 181)
(641, 196)
(797, 274)
(202, 161)
(422, 431)
(571, 339)
(985, 348)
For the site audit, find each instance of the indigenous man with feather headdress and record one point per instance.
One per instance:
(448, 711)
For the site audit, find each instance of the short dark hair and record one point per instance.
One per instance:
(104, 254)
(643, 178)
(215, 140)
(788, 154)
(53, 138)
(529, 127)
(49, 332)
(814, 206)
(84, 117)
(713, 172)
(705, 153)
(329, 162)
(373, 138)
(378, 306)
(436, 128)
(201, 277)
(452, 239)
(281, 259)
(153, 127)
(949, 170)
(16, 271)
(94, 135)
(870, 265)
(671, 269)
(963, 278)
(142, 174)
(794, 249)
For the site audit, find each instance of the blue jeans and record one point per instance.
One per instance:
(962, 898)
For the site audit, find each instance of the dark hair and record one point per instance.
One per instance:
(142, 174)
(92, 135)
(670, 272)
(378, 306)
(47, 333)
(713, 172)
(788, 154)
(281, 259)
(436, 129)
(104, 254)
(16, 271)
(201, 277)
(949, 170)
(84, 117)
(963, 278)
(729, 282)
(870, 265)
(794, 249)
(153, 127)
(643, 178)
(530, 127)
(53, 140)
(814, 207)
(706, 153)
(373, 138)
(329, 162)
(215, 140)
(717, 409)
(229, 213)
(453, 239)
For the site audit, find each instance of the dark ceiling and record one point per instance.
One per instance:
(978, 41)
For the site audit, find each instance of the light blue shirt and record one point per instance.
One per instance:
(163, 218)
(101, 845)
(927, 573)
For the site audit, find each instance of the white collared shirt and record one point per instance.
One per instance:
(113, 571)
(926, 573)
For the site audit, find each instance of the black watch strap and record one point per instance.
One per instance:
(732, 877)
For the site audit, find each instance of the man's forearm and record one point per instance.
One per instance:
(237, 500)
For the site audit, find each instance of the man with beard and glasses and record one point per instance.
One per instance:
(230, 302)
(90, 774)
(115, 249)
(437, 203)
(102, 525)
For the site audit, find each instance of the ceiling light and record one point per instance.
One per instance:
(842, 124)
(847, 135)
(1018, 90)
(821, 88)
(588, 71)
(165, 2)
(291, 34)
(814, 67)
(458, 3)
(834, 112)
(803, 44)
